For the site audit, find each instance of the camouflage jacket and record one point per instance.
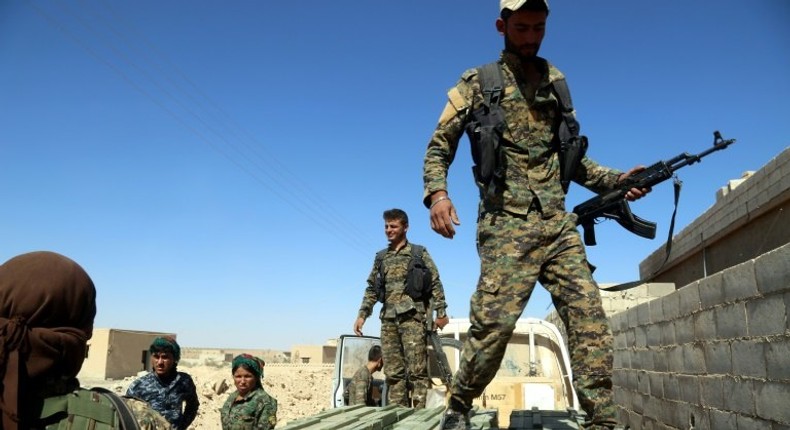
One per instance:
(256, 411)
(395, 265)
(359, 388)
(177, 401)
(532, 167)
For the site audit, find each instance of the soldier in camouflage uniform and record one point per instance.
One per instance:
(170, 392)
(250, 407)
(524, 233)
(403, 327)
(359, 389)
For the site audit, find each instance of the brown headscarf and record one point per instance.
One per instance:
(47, 307)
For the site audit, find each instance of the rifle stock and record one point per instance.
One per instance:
(613, 205)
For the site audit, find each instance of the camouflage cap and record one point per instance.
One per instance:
(516, 4)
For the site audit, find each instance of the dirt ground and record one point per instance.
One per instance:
(300, 390)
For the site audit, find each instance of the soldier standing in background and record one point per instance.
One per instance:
(170, 392)
(403, 313)
(524, 234)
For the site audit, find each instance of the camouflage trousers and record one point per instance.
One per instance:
(515, 252)
(404, 348)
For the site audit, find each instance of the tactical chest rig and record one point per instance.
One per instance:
(418, 276)
(486, 131)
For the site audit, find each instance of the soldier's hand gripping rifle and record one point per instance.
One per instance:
(613, 204)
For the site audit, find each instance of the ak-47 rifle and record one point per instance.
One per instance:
(613, 204)
(443, 364)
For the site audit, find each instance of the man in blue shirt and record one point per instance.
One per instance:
(168, 391)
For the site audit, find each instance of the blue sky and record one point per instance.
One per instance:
(220, 168)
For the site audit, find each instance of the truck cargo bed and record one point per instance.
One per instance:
(394, 417)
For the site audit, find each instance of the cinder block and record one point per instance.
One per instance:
(618, 322)
(667, 333)
(660, 361)
(777, 359)
(621, 397)
(680, 419)
(722, 419)
(711, 291)
(653, 408)
(620, 341)
(675, 355)
(654, 335)
(618, 377)
(632, 318)
(753, 423)
(689, 389)
(640, 336)
(718, 358)
(699, 418)
(670, 304)
(772, 271)
(643, 382)
(739, 282)
(711, 392)
(656, 384)
(684, 329)
(731, 321)
(648, 357)
(636, 359)
(740, 395)
(630, 378)
(660, 289)
(671, 387)
(689, 298)
(643, 313)
(693, 359)
(771, 399)
(656, 311)
(766, 315)
(748, 358)
(634, 420)
(704, 325)
(638, 402)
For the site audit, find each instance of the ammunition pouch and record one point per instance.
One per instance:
(571, 153)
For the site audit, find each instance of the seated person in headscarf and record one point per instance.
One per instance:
(250, 407)
(168, 391)
(47, 307)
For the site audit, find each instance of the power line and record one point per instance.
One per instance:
(228, 138)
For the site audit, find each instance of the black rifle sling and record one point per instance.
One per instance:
(572, 146)
(628, 285)
(127, 420)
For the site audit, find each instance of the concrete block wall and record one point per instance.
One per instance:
(748, 220)
(619, 301)
(715, 354)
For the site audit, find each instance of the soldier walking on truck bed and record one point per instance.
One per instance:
(526, 147)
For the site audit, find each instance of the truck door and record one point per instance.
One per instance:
(352, 353)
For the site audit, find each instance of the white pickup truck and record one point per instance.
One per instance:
(531, 390)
